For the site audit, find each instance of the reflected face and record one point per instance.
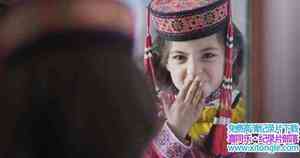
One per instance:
(201, 57)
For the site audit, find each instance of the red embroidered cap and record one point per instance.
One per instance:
(180, 20)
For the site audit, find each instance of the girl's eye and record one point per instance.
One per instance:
(179, 58)
(208, 56)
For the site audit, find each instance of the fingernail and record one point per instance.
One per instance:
(190, 77)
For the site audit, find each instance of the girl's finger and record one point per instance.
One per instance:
(192, 90)
(165, 101)
(182, 93)
(197, 97)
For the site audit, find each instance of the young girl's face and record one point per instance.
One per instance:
(201, 57)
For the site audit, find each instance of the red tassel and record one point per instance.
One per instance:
(146, 64)
(224, 151)
(148, 59)
(215, 133)
(148, 44)
(218, 135)
(151, 65)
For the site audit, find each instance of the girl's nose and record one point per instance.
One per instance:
(194, 68)
(190, 69)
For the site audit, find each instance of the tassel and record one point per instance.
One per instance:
(148, 57)
(146, 65)
(148, 46)
(217, 137)
(151, 65)
(148, 42)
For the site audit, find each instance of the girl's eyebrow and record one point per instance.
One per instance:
(201, 50)
(178, 52)
(208, 49)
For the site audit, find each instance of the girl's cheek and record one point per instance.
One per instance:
(207, 89)
(177, 80)
(181, 77)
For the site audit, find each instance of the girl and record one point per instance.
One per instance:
(194, 64)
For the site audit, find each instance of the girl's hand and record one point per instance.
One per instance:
(186, 108)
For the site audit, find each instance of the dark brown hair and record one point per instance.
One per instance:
(74, 94)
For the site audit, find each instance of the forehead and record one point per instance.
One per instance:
(197, 44)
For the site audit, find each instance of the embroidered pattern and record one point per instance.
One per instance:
(170, 6)
(163, 138)
(168, 145)
(175, 151)
(185, 24)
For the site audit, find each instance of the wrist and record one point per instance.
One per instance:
(178, 132)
